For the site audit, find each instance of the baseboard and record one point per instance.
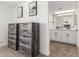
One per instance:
(63, 42)
(78, 49)
(45, 52)
(3, 45)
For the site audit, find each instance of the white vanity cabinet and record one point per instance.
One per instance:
(55, 35)
(72, 37)
(69, 36)
(58, 35)
(52, 34)
(66, 36)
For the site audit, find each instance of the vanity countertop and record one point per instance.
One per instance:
(64, 29)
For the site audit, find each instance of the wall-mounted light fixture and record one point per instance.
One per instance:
(65, 14)
(66, 11)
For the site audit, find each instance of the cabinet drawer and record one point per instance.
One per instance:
(69, 37)
(72, 37)
(25, 33)
(14, 34)
(52, 35)
(23, 38)
(65, 35)
(12, 29)
(12, 45)
(25, 43)
(26, 26)
(12, 37)
(55, 35)
(13, 41)
(12, 25)
(25, 51)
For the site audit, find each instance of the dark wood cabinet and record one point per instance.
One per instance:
(13, 32)
(24, 37)
(29, 39)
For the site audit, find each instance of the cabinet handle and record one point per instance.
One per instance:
(55, 34)
(67, 35)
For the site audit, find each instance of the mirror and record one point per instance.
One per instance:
(62, 14)
(64, 20)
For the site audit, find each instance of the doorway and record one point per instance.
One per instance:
(62, 27)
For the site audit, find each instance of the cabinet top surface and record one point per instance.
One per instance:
(63, 29)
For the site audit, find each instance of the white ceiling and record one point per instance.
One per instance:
(11, 3)
(63, 5)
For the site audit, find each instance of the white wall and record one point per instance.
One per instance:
(4, 17)
(78, 26)
(41, 18)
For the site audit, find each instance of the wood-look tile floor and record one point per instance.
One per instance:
(62, 50)
(8, 52)
(56, 50)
